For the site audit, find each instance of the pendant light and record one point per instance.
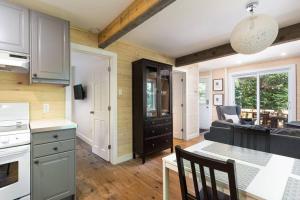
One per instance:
(255, 33)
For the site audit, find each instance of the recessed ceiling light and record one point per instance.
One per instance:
(283, 54)
(239, 62)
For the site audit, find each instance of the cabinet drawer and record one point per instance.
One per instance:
(52, 136)
(158, 143)
(53, 148)
(159, 121)
(158, 130)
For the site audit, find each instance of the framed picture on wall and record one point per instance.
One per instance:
(218, 84)
(218, 99)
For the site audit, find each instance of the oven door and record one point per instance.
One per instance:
(14, 172)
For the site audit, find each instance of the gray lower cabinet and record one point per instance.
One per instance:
(50, 49)
(14, 27)
(54, 176)
(53, 171)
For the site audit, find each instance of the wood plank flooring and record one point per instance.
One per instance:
(97, 179)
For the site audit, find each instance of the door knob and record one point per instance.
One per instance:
(92, 112)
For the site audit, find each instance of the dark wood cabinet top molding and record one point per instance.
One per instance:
(286, 34)
(134, 15)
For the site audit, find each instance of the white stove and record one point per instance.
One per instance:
(14, 151)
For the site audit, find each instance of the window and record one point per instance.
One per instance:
(266, 97)
(202, 92)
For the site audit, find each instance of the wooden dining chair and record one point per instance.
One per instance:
(205, 192)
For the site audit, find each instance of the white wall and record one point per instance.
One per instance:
(83, 67)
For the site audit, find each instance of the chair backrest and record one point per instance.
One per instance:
(230, 110)
(252, 137)
(212, 164)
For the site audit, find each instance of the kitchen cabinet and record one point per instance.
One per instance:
(53, 165)
(50, 49)
(14, 28)
(152, 107)
(54, 176)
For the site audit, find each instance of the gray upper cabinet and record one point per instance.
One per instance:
(14, 28)
(53, 176)
(50, 49)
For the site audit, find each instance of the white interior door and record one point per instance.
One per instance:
(100, 114)
(178, 104)
(204, 103)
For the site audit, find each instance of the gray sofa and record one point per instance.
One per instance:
(285, 141)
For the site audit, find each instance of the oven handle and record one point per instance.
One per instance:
(14, 151)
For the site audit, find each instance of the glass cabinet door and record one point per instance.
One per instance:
(165, 92)
(151, 92)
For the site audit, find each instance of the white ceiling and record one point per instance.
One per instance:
(187, 26)
(291, 49)
(86, 14)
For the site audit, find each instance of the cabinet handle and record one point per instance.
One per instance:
(153, 145)
(55, 136)
(167, 141)
(55, 148)
(34, 75)
(153, 131)
(36, 162)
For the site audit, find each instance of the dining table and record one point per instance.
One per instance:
(259, 175)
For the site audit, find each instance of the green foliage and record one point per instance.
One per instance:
(245, 92)
(273, 92)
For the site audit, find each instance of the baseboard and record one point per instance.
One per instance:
(123, 158)
(84, 138)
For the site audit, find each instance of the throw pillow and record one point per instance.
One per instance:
(234, 118)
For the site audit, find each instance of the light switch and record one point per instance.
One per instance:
(46, 107)
(120, 92)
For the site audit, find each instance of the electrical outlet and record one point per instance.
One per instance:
(46, 107)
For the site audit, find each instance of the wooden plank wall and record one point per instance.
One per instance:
(15, 88)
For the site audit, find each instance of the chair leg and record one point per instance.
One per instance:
(143, 159)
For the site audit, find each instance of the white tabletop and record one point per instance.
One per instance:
(270, 181)
(51, 125)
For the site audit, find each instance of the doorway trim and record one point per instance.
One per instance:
(184, 100)
(113, 131)
(209, 77)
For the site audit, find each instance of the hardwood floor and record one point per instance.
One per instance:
(97, 179)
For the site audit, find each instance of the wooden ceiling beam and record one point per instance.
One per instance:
(285, 34)
(135, 14)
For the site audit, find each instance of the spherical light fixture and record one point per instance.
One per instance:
(254, 33)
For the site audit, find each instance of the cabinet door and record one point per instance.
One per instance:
(50, 47)
(54, 176)
(151, 87)
(165, 93)
(14, 28)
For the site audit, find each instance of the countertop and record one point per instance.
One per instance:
(51, 125)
